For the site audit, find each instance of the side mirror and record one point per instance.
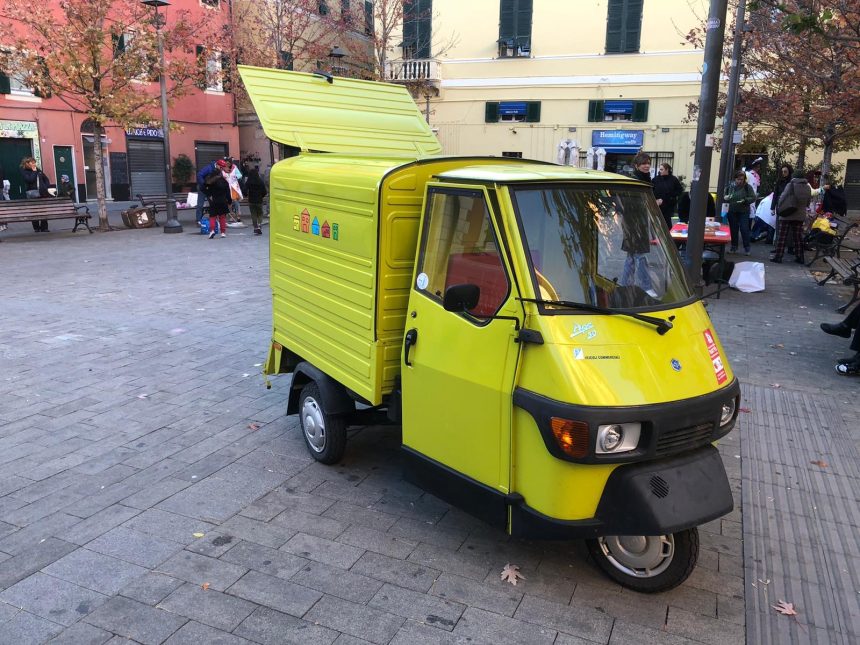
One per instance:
(461, 297)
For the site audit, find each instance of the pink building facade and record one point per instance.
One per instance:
(62, 142)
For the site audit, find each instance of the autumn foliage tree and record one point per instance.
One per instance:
(99, 57)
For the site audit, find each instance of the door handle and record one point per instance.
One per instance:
(409, 340)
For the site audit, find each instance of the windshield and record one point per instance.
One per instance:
(599, 245)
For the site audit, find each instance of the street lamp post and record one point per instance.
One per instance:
(172, 225)
(336, 55)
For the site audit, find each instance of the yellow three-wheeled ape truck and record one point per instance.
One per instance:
(529, 326)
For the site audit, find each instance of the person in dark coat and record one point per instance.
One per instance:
(834, 200)
(667, 189)
(796, 195)
(642, 166)
(684, 207)
(256, 193)
(36, 184)
(202, 174)
(218, 193)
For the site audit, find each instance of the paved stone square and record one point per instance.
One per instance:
(152, 489)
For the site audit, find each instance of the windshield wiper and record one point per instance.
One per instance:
(661, 324)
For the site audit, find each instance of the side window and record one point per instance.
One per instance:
(460, 247)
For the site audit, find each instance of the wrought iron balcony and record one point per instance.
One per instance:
(409, 71)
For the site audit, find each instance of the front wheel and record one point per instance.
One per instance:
(647, 563)
(325, 434)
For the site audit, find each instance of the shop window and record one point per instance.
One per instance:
(512, 111)
(417, 26)
(345, 12)
(214, 70)
(211, 3)
(658, 158)
(603, 111)
(323, 8)
(623, 26)
(460, 247)
(515, 28)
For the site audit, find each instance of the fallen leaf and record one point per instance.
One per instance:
(204, 586)
(198, 535)
(253, 426)
(785, 608)
(778, 346)
(775, 385)
(819, 462)
(747, 410)
(511, 573)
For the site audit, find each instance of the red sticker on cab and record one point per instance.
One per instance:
(716, 360)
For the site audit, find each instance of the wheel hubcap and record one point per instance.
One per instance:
(642, 556)
(313, 424)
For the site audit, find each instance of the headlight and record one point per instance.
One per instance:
(617, 437)
(728, 411)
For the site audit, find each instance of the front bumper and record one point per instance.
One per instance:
(647, 498)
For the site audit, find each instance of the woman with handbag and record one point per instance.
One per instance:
(36, 184)
(791, 211)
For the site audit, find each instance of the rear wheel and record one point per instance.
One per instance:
(324, 434)
(647, 563)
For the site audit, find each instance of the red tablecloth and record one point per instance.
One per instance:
(712, 236)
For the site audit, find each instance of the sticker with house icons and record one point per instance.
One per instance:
(306, 224)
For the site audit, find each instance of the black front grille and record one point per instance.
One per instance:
(683, 439)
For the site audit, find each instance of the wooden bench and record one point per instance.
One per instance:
(835, 245)
(30, 210)
(849, 272)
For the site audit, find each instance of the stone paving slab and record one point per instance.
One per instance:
(141, 458)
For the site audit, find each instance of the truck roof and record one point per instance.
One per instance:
(526, 171)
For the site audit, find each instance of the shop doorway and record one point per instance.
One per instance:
(146, 166)
(12, 151)
(208, 151)
(619, 163)
(852, 184)
(64, 164)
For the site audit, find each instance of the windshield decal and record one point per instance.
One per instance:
(422, 281)
(304, 224)
(579, 355)
(584, 328)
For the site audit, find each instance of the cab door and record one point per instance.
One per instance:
(458, 368)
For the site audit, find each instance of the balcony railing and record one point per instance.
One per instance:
(419, 69)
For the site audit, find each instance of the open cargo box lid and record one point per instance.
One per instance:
(346, 115)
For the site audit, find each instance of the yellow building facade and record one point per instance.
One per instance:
(532, 78)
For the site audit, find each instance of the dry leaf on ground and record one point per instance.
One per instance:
(511, 573)
(198, 535)
(204, 586)
(775, 385)
(819, 462)
(254, 426)
(747, 410)
(785, 608)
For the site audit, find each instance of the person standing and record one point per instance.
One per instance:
(642, 166)
(202, 174)
(36, 184)
(218, 193)
(667, 189)
(791, 210)
(739, 196)
(783, 180)
(256, 192)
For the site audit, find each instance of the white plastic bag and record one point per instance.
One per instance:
(748, 277)
(192, 200)
(764, 212)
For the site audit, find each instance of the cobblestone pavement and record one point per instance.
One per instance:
(142, 459)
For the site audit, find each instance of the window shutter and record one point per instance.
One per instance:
(425, 14)
(491, 113)
(614, 16)
(640, 111)
(323, 8)
(524, 22)
(595, 111)
(201, 67)
(632, 25)
(118, 44)
(5, 84)
(506, 19)
(226, 76)
(533, 112)
(410, 28)
(45, 79)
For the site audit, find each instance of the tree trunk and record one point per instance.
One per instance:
(827, 156)
(100, 177)
(801, 153)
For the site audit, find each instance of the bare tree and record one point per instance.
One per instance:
(98, 57)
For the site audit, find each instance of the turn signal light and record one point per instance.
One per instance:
(571, 436)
